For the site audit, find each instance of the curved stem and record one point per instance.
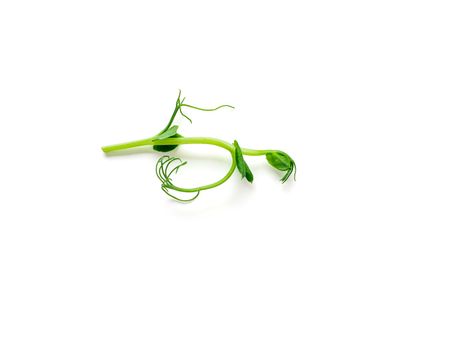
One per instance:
(214, 184)
(205, 141)
(191, 141)
(183, 141)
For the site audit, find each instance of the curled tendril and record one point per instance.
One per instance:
(178, 108)
(180, 104)
(165, 167)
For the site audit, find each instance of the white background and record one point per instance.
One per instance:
(366, 250)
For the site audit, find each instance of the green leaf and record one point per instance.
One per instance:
(168, 133)
(282, 161)
(166, 148)
(279, 160)
(242, 166)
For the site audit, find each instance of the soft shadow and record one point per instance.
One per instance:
(236, 192)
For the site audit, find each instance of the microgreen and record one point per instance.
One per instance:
(168, 139)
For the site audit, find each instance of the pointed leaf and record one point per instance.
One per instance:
(168, 133)
(242, 166)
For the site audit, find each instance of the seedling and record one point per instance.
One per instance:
(169, 139)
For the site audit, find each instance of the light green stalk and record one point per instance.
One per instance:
(166, 166)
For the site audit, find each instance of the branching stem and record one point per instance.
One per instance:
(168, 139)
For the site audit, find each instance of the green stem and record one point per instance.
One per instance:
(126, 145)
(194, 141)
(170, 141)
(255, 152)
(191, 141)
(184, 141)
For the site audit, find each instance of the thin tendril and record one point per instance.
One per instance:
(175, 169)
(198, 108)
(179, 199)
(189, 119)
(166, 166)
(164, 172)
(178, 108)
(174, 113)
(206, 109)
(292, 169)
